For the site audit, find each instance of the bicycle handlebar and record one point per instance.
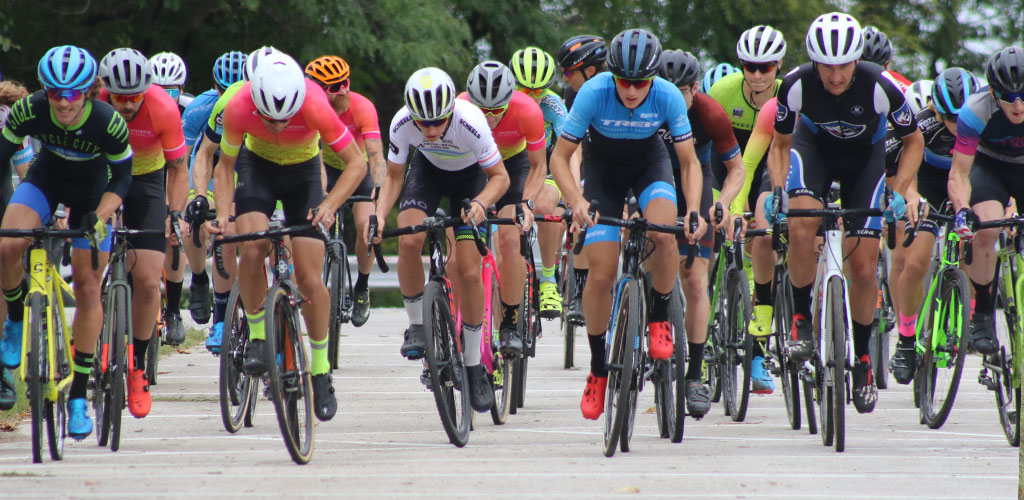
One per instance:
(41, 233)
(583, 232)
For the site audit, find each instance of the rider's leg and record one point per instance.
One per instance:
(361, 212)
(145, 268)
(309, 262)
(549, 239)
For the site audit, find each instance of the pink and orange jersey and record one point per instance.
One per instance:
(521, 127)
(300, 140)
(361, 121)
(155, 133)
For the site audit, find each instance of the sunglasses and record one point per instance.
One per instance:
(272, 120)
(1009, 98)
(337, 87)
(568, 72)
(532, 92)
(127, 98)
(948, 117)
(174, 93)
(494, 111)
(627, 83)
(431, 123)
(759, 67)
(69, 94)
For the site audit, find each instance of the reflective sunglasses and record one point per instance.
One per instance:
(532, 92)
(494, 111)
(69, 94)
(127, 98)
(272, 120)
(765, 68)
(337, 87)
(627, 83)
(568, 72)
(1010, 97)
(431, 123)
(174, 93)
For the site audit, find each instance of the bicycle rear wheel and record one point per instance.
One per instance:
(235, 385)
(738, 345)
(36, 375)
(783, 312)
(291, 385)
(878, 346)
(336, 287)
(945, 333)
(621, 362)
(528, 323)
(677, 366)
(502, 376)
(837, 321)
(448, 378)
(119, 338)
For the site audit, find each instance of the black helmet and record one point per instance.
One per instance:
(680, 68)
(635, 54)
(877, 47)
(1005, 70)
(581, 51)
(951, 90)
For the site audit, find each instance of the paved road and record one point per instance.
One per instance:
(386, 442)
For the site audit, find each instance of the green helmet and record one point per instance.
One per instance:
(533, 68)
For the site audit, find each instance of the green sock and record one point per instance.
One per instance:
(547, 273)
(256, 330)
(320, 363)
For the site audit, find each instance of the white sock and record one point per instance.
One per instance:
(471, 347)
(414, 308)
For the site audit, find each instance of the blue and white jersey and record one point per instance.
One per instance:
(555, 114)
(193, 123)
(597, 107)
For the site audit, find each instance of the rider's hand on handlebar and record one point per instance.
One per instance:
(527, 218)
(380, 230)
(322, 214)
(962, 224)
(702, 226)
(218, 225)
(476, 213)
(770, 212)
(581, 215)
(898, 207)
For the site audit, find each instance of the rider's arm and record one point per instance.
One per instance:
(390, 188)
(959, 184)
(691, 177)
(497, 184)
(754, 152)
(735, 180)
(567, 184)
(778, 159)
(355, 170)
(535, 178)
(202, 165)
(177, 183)
(375, 159)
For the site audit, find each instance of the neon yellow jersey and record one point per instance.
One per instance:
(729, 93)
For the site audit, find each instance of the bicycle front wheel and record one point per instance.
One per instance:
(336, 288)
(837, 323)
(120, 335)
(448, 378)
(944, 333)
(676, 372)
(235, 384)
(738, 345)
(567, 286)
(788, 369)
(502, 375)
(36, 375)
(291, 385)
(153, 351)
(621, 362)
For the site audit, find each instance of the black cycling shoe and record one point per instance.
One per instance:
(904, 364)
(199, 304)
(325, 405)
(802, 348)
(983, 334)
(415, 344)
(865, 395)
(698, 399)
(257, 358)
(175, 328)
(361, 309)
(481, 394)
(511, 344)
(8, 396)
(575, 314)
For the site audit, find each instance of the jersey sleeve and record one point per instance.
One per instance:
(233, 123)
(757, 147)
(192, 123)
(675, 114)
(583, 110)
(969, 127)
(18, 125)
(786, 110)
(116, 145)
(901, 116)
(473, 127)
(168, 123)
(557, 113)
(322, 118)
(366, 120)
(531, 122)
(718, 126)
(398, 147)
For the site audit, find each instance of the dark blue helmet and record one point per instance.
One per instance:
(634, 54)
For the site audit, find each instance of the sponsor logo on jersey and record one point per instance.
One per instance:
(630, 123)
(412, 204)
(857, 110)
(737, 112)
(781, 112)
(843, 130)
(903, 116)
(401, 122)
(469, 128)
(648, 115)
(393, 148)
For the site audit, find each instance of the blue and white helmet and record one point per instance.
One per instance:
(67, 67)
(229, 68)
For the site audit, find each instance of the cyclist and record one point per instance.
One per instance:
(534, 70)
(878, 50)
(714, 74)
(517, 125)
(456, 157)
(938, 124)
(169, 71)
(710, 126)
(918, 94)
(743, 94)
(623, 111)
(73, 172)
(984, 176)
(842, 106)
(227, 70)
(359, 115)
(581, 58)
(154, 127)
(280, 115)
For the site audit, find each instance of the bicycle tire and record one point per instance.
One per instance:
(527, 323)
(234, 384)
(738, 345)
(809, 406)
(838, 326)
(153, 353)
(788, 369)
(101, 376)
(677, 369)
(625, 328)
(291, 385)
(56, 411)
(448, 377)
(1006, 394)
(335, 287)
(36, 371)
(120, 335)
(568, 289)
(501, 377)
(878, 346)
(945, 349)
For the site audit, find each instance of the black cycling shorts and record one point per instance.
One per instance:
(518, 167)
(365, 187)
(932, 184)
(425, 184)
(145, 207)
(261, 183)
(992, 179)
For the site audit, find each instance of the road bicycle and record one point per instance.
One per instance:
(567, 288)
(882, 323)
(338, 277)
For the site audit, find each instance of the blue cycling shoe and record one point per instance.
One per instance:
(10, 346)
(79, 423)
(760, 380)
(216, 337)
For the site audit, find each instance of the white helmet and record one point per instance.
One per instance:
(278, 86)
(429, 94)
(761, 44)
(490, 85)
(125, 71)
(834, 38)
(168, 69)
(918, 95)
(254, 59)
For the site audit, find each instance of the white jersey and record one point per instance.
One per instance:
(465, 143)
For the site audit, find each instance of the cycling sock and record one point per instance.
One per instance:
(861, 336)
(139, 347)
(508, 315)
(80, 381)
(581, 281)
(471, 350)
(547, 274)
(802, 300)
(362, 282)
(201, 278)
(16, 302)
(256, 325)
(762, 293)
(982, 297)
(173, 295)
(319, 350)
(597, 347)
(414, 308)
(659, 306)
(908, 327)
(694, 369)
(220, 306)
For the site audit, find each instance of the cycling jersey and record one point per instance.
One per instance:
(710, 127)
(521, 126)
(361, 120)
(983, 129)
(754, 158)
(598, 107)
(901, 81)
(155, 132)
(848, 122)
(938, 143)
(299, 140)
(555, 114)
(193, 122)
(214, 124)
(466, 142)
(184, 99)
(728, 91)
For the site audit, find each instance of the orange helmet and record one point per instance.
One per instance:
(328, 69)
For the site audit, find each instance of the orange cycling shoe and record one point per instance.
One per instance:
(592, 404)
(139, 399)
(661, 339)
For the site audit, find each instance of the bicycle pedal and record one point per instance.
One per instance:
(988, 382)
